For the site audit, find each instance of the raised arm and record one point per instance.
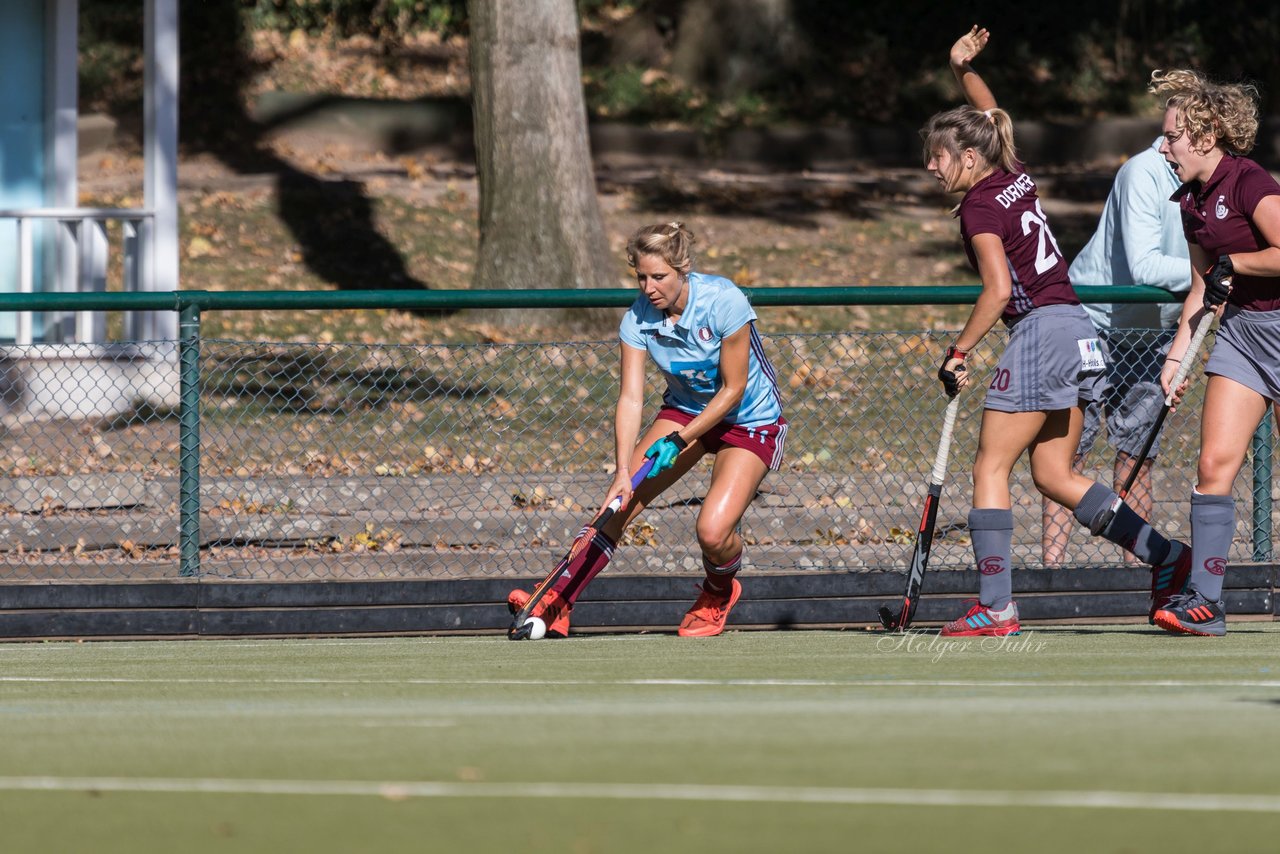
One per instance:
(963, 51)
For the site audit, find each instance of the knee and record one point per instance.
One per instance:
(714, 537)
(1216, 471)
(1050, 483)
(985, 477)
(983, 466)
(990, 473)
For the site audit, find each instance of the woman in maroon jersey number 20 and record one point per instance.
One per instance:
(1052, 366)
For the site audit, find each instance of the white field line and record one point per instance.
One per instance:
(20, 650)
(712, 683)
(1161, 801)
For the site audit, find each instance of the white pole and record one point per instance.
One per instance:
(62, 178)
(160, 144)
(26, 275)
(130, 247)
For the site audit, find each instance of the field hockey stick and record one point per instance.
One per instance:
(1184, 368)
(519, 629)
(924, 537)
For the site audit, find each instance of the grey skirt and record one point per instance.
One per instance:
(1247, 350)
(1053, 361)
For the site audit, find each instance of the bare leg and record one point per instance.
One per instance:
(735, 478)
(1004, 436)
(1052, 438)
(1056, 523)
(1228, 419)
(1230, 416)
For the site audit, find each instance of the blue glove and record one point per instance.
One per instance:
(1217, 282)
(664, 452)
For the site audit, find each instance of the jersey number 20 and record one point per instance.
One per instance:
(1045, 258)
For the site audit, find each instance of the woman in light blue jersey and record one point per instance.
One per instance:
(721, 399)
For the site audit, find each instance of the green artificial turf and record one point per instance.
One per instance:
(754, 741)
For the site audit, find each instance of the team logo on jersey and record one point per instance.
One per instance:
(991, 566)
(704, 334)
(1221, 208)
(1216, 565)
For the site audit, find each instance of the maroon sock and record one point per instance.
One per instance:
(585, 566)
(720, 577)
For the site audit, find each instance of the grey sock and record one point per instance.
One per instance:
(1213, 524)
(1127, 530)
(992, 533)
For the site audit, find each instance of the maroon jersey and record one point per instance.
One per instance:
(1005, 204)
(1218, 218)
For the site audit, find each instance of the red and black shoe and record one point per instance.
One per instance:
(1169, 579)
(981, 621)
(1193, 614)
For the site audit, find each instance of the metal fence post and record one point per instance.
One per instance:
(189, 440)
(1262, 445)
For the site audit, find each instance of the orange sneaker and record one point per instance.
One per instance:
(982, 621)
(708, 615)
(553, 609)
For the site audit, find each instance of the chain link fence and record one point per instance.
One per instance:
(357, 461)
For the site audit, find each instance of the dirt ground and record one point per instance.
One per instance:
(241, 230)
(318, 210)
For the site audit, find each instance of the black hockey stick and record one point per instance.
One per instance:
(924, 537)
(520, 628)
(1105, 518)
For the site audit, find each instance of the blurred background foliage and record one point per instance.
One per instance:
(387, 20)
(715, 64)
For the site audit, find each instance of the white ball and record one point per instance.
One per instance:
(537, 628)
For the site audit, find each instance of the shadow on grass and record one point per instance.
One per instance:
(1134, 629)
(786, 200)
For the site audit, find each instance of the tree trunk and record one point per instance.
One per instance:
(540, 224)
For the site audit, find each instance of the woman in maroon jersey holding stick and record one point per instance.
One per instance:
(1231, 218)
(1053, 363)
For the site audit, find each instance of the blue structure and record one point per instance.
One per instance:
(23, 129)
(47, 241)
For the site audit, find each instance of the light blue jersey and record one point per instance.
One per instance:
(688, 351)
(1139, 241)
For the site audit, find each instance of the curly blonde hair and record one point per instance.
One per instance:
(670, 241)
(1224, 114)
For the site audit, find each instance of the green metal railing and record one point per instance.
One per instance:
(551, 298)
(190, 304)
